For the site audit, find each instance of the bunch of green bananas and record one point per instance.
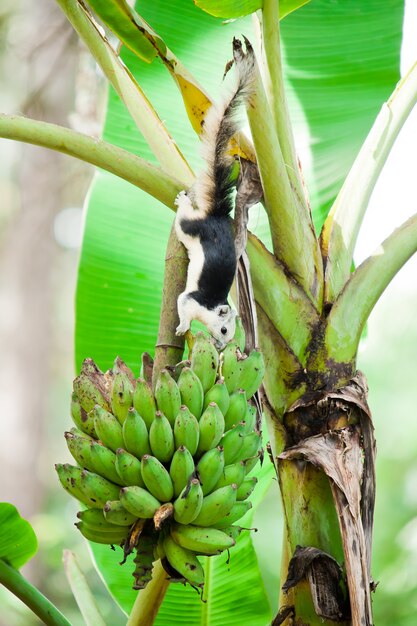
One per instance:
(166, 473)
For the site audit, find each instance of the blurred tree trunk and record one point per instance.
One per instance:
(43, 60)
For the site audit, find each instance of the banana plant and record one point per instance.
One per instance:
(311, 306)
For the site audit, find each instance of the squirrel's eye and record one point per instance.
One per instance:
(223, 330)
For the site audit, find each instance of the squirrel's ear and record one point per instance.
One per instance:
(223, 310)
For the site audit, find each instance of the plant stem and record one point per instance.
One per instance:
(141, 110)
(293, 238)
(120, 162)
(29, 595)
(149, 600)
(297, 314)
(169, 348)
(341, 228)
(353, 306)
(274, 85)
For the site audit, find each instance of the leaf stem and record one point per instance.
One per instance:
(274, 86)
(141, 110)
(32, 597)
(81, 591)
(341, 228)
(293, 237)
(120, 162)
(149, 600)
(353, 306)
(297, 315)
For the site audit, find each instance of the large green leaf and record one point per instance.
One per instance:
(237, 8)
(18, 541)
(342, 62)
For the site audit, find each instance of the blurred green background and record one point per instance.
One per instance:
(46, 74)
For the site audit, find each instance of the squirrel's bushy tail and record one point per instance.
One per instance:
(212, 190)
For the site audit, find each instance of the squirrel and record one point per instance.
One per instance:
(203, 222)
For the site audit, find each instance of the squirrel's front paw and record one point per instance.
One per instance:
(183, 200)
(182, 329)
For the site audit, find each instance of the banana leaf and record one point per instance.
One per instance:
(18, 541)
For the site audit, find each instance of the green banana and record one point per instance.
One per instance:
(233, 531)
(101, 536)
(218, 394)
(184, 561)
(210, 468)
(93, 372)
(216, 505)
(108, 428)
(186, 430)
(252, 461)
(191, 391)
(246, 488)
(135, 434)
(70, 478)
(79, 447)
(120, 366)
(250, 418)
(83, 420)
(144, 402)
(79, 433)
(238, 510)
(121, 395)
(96, 525)
(188, 504)
(94, 519)
(232, 443)
(143, 561)
(203, 540)
(234, 473)
(139, 502)
(161, 438)
(129, 469)
(204, 360)
(157, 478)
(89, 395)
(104, 462)
(175, 370)
(97, 489)
(252, 371)
(167, 396)
(237, 409)
(240, 337)
(250, 446)
(211, 426)
(181, 468)
(230, 367)
(115, 513)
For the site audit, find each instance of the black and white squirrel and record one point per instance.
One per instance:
(203, 222)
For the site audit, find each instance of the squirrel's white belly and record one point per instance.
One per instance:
(195, 267)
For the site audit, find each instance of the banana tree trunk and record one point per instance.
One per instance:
(323, 450)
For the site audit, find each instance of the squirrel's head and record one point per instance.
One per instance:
(222, 324)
